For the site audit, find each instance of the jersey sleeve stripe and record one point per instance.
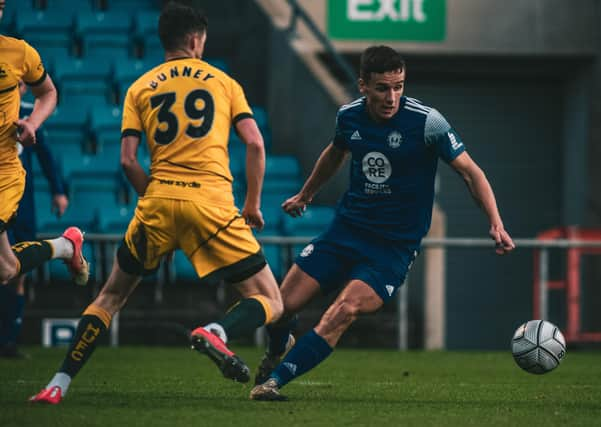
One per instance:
(242, 116)
(38, 81)
(416, 110)
(131, 132)
(8, 89)
(417, 105)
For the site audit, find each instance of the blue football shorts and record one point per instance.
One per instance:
(343, 253)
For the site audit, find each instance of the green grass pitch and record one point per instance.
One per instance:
(154, 386)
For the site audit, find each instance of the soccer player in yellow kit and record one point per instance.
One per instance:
(186, 108)
(20, 61)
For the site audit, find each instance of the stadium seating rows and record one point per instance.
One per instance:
(93, 53)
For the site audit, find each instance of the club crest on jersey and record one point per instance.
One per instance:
(307, 250)
(395, 139)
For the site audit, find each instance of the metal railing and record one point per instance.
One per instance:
(105, 245)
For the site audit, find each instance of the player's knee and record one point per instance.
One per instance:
(277, 309)
(344, 312)
(7, 272)
(348, 309)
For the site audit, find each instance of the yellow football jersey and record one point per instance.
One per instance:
(18, 61)
(186, 108)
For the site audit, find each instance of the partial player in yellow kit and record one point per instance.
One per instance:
(186, 108)
(20, 61)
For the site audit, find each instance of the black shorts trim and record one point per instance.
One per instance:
(129, 264)
(4, 226)
(8, 89)
(238, 271)
(241, 116)
(131, 132)
(38, 81)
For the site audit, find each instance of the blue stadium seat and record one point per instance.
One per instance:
(262, 119)
(49, 45)
(314, 221)
(105, 126)
(237, 153)
(115, 218)
(51, 23)
(83, 81)
(183, 269)
(273, 254)
(282, 167)
(274, 201)
(273, 217)
(104, 34)
(62, 5)
(152, 48)
(109, 22)
(50, 50)
(43, 211)
(66, 126)
(8, 18)
(114, 46)
(282, 175)
(284, 187)
(79, 213)
(130, 6)
(128, 71)
(146, 23)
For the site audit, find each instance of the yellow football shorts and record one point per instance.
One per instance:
(214, 238)
(11, 190)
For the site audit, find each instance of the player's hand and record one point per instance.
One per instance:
(503, 242)
(59, 204)
(253, 217)
(296, 205)
(25, 133)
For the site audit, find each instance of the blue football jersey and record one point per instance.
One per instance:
(393, 167)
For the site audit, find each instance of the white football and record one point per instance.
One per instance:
(538, 346)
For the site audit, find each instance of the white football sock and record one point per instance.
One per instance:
(62, 380)
(61, 248)
(218, 330)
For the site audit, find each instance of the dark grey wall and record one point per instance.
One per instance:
(522, 88)
(302, 113)
(510, 128)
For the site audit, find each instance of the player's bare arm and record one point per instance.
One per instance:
(255, 170)
(482, 192)
(131, 167)
(329, 162)
(45, 95)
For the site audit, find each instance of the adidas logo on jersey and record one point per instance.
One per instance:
(291, 367)
(355, 136)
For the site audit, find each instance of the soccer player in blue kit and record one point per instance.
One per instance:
(394, 143)
(24, 229)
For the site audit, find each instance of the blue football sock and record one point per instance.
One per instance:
(8, 300)
(278, 335)
(17, 319)
(308, 352)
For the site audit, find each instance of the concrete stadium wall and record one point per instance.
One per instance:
(550, 49)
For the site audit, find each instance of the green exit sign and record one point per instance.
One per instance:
(411, 20)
